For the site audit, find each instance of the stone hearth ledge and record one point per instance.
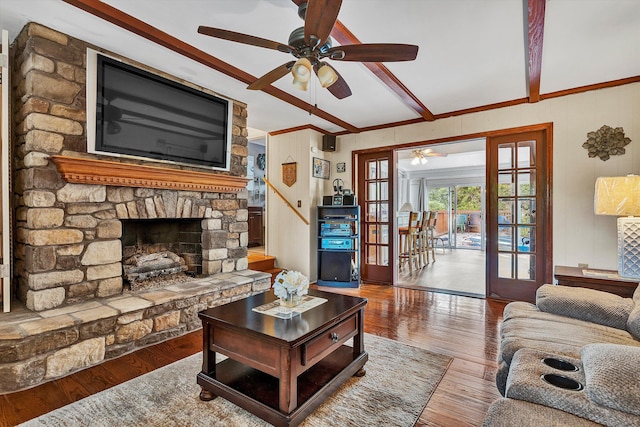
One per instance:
(36, 347)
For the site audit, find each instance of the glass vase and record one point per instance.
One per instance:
(288, 303)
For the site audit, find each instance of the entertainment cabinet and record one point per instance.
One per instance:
(338, 246)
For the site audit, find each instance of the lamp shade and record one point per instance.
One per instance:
(301, 71)
(617, 195)
(407, 207)
(326, 75)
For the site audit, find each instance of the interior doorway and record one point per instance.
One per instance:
(450, 183)
(256, 192)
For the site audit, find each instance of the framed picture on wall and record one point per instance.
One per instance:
(321, 168)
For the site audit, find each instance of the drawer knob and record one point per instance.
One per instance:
(334, 337)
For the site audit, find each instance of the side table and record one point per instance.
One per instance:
(602, 280)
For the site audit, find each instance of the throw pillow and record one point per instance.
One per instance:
(612, 376)
(590, 305)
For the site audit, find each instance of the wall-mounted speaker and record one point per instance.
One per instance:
(328, 143)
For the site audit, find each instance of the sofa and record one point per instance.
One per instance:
(570, 359)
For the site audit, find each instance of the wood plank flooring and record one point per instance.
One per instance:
(463, 328)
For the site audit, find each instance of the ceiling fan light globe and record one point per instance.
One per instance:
(301, 70)
(423, 161)
(327, 76)
(300, 84)
(415, 161)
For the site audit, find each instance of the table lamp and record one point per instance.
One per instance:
(620, 195)
(407, 207)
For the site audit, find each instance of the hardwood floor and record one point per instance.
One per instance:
(463, 328)
(455, 271)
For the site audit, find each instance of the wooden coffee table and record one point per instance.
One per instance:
(281, 369)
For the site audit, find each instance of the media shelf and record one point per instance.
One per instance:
(338, 246)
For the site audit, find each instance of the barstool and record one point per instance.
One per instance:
(423, 239)
(409, 243)
(431, 228)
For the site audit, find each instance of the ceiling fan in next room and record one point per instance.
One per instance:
(311, 45)
(420, 155)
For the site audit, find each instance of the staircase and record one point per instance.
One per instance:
(261, 262)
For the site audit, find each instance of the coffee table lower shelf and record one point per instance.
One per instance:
(258, 392)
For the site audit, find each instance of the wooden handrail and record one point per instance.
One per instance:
(284, 199)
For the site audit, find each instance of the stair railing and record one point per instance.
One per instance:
(284, 199)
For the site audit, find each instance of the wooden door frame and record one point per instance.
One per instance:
(546, 127)
(392, 219)
(544, 222)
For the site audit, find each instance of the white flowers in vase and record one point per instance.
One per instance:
(289, 282)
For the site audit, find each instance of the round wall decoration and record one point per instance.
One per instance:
(606, 142)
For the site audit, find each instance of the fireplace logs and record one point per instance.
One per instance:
(147, 266)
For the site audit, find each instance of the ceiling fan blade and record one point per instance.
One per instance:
(340, 89)
(430, 152)
(374, 52)
(320, 18)
(271, 76)
(244, 38)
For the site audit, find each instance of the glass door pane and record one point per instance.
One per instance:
(373, 188)
(516, 211)
(469, 214)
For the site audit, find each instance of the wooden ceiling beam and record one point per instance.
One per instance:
(343, 36)
(535, 26)
(136, 26)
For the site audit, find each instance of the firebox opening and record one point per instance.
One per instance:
(155, 250)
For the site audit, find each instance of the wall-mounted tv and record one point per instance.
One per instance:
(131, 112)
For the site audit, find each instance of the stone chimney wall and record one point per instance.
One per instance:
(67, 246)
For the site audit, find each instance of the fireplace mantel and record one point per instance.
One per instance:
(102, 172)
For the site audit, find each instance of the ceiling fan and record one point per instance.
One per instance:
(311, 44)
(420, 155)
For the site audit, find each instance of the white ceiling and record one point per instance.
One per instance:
(459, 154)
(471, 53)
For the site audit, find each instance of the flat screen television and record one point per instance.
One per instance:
(134, 113)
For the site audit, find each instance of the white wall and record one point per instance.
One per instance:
(293, 243)
(579, 235)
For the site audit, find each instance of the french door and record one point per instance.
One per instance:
(519, 238)
(375, 196)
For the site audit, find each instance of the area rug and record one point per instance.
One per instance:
(399, 382)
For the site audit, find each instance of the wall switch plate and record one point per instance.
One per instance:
(299, 203)
(582, 265)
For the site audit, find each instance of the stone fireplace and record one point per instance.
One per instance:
(70, 205)
(72, 211)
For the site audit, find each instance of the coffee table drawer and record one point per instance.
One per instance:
(317, 348)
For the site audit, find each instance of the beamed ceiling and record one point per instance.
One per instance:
(473, 55)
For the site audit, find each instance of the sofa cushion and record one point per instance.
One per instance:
(511, 412)
(633, 322)
(524, 326)
(612, 376)
(590, 305)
